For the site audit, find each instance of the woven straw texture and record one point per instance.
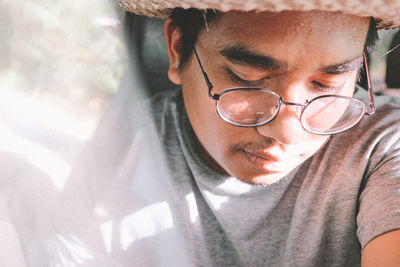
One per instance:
(387, 12)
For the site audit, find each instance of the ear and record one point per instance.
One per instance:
(174, 46)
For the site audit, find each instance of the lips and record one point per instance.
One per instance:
(262, 155)
(263, 162)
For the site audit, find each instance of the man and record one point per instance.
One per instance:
(274, 161)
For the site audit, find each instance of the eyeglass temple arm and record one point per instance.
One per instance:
(209, 84)
(371, 97)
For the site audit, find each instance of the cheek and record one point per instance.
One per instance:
(201, 110)
(216, 136)
(349, 87)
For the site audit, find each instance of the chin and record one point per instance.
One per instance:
(269, 179)
(263, 179)
(263, 174)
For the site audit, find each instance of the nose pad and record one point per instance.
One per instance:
(286, 128)
(294, 109)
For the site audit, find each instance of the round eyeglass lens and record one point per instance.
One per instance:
(332, 114)
(247, 106)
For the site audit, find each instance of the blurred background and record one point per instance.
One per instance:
(385, 63)
(60, 64)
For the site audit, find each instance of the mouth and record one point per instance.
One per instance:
(269, 163)
(263, 155)
(264, 161)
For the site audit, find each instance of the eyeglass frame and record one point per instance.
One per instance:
(369, 109)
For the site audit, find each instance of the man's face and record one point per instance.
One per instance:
(298, 55)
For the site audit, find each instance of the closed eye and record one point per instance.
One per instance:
(236, 79)
(325, 88)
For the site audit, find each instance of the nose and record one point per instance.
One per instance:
(286, 128)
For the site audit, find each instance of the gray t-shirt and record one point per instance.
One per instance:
(322, 214)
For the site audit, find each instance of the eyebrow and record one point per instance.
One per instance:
(344, 67)
(241, 55)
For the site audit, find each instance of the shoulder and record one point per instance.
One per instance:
(374, 133)
(377, 139)
(166, 108)
(380, 132)
(166, 100)
(388, 106)
(387, 112)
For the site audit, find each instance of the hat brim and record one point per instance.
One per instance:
(386, 12)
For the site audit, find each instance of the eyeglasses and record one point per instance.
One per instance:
(322, 115)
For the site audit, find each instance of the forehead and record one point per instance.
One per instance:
(290, 34)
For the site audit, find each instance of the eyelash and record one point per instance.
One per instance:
(321, 87)
(243, 82)
(317, 85)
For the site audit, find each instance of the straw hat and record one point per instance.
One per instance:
(386, 12)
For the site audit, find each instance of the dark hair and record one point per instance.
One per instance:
(372, 35)
(192, 21)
